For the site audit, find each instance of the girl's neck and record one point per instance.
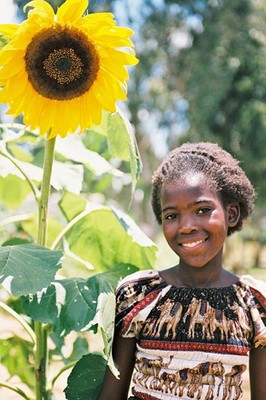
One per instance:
(203, 277)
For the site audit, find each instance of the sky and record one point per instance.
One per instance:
(7, 12)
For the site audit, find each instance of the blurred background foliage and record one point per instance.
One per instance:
(201, 76)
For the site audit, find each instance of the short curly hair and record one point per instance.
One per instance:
(220, 167)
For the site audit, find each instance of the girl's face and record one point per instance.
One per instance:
(194, 220)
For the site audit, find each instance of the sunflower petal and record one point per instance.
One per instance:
(8, 30)
(58, 97)
(71, 10)
(40, 8)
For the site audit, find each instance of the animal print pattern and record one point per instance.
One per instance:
(192, 343)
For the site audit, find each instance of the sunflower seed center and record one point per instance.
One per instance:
(62, 63)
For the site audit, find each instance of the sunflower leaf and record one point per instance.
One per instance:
(67, 176)
(122, 144)
(111, 230)
(71, 304)
(26, 269)
(85, 379)
(15, 356)
(74, 149)
(13, 191)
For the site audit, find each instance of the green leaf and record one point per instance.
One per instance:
(74, 149)
(8, 168)
(105, 319)
(15, 356)
(26, 269)
(84, 381)
(71, 205)
(64, 175)
(71, 304)
(80, 348)
(20, 152)
(30, 226)
(16, 240)
(122, 143)
(108, 229)
(13, 191)
(67, 176)
(103, 239)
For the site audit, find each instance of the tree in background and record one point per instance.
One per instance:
(201, 77)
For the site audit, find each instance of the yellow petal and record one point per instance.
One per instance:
(91, 111)
(71, 10)
(8, 30)
(103, 95)
(10, 70)
(7, 56)
(114, 51)
(118, 71)
(40, 8)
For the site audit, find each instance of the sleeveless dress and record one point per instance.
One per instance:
(192, 343)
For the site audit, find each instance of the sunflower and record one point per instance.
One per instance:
(62, 70)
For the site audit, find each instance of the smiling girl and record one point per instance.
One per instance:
(187, 332)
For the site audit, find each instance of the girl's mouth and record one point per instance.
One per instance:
(192, 244)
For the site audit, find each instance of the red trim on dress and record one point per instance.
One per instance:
(144, 396)
(259, 296)
(181, 346)
(135, 310)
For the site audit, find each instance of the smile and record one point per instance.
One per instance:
(192, 244)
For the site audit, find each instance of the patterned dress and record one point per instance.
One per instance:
(192, 343)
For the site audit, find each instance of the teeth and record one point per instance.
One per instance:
(192, 244)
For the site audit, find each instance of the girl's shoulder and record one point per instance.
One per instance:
(142, 277)
(255, 284)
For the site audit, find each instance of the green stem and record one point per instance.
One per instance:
(41, 352)
(17, 390)
(34, 189)
(19, 319)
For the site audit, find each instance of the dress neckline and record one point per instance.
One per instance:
(198, 288)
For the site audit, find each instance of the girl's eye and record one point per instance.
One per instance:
(170, 217)
(203, 210)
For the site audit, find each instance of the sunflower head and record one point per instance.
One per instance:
(61, 70)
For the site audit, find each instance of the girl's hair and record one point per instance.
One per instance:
(221, 169)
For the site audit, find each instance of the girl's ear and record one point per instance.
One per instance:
(233, 214)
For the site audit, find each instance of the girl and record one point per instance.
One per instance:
(187, 332)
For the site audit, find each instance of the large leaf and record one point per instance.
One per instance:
(15, 356)
(67, 176)
(13, 191)
(103, 240)
(104, 320)
(122, 143)
(72, 205)
(84, 381)
(7, 168)
(30, 226)
(26, 269)
(74, 149)
(71, 304)
(105, 237)
(64, 175)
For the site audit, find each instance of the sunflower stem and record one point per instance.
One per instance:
(41, 351)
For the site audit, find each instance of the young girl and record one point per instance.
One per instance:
(187, 332)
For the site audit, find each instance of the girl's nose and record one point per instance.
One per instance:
(187, 224)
